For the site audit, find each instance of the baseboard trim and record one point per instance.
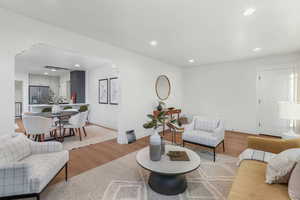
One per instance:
(267, 135)
(111, 129)
(252, 134)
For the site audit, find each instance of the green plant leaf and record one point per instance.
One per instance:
(148, 125)
(162, 113)
(173, 121)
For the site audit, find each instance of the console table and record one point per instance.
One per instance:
(169, 113)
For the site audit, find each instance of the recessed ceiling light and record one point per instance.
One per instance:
(256, 49)
(153, 43)
(249, 11)
(54, 70)
(77, 65)
(191, 60)
(46, 73)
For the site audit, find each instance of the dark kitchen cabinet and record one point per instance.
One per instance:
(78, 85)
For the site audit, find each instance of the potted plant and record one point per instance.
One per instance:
(56, 101)
(157, 120)
(157, 144)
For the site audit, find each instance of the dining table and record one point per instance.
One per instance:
(61, 116)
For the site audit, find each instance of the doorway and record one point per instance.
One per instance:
(49, 76)
(273, 86)
(18, 98)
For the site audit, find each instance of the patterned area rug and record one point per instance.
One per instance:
(124, 179)
(95, 134)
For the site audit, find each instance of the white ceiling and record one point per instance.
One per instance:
(209, 31)
(36, 58)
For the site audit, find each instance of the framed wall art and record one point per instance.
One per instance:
(103, 91)
(114, 91)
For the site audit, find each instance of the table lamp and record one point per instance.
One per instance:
(289, 111)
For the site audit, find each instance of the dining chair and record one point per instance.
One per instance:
(54, 120)
(37, 127)
(65, 120)
(84, 116)
(76, 122)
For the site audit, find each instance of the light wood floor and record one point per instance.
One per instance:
(89, 157)
(92, 156)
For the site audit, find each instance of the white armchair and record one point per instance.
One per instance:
(27, 167)
(204, 132)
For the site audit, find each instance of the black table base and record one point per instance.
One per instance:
(167, 184)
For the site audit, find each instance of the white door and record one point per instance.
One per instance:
(273, 86)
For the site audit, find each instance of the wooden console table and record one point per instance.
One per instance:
(169, 113)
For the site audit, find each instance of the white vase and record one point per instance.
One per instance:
(56, 109)
(155, 146)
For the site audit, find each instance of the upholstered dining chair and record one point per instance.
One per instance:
(65, 120)
(54, 120)
(85, 108)
(204, 132)
(76, 122)
(37, 127)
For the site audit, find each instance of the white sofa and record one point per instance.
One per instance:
(204, 132)
(27, 167)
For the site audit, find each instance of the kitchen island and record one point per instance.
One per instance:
(37, 108)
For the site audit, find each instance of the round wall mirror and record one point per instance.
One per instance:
(163, 87)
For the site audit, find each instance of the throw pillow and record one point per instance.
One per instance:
(14, 149)
(279, 170)
(291, 154)
(294, 183)
(280, 167)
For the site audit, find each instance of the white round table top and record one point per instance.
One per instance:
(165, 165)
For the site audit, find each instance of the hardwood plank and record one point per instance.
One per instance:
(89, 157)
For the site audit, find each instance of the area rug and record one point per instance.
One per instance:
(95, 134)
(124, 179)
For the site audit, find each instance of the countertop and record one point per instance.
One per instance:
(50, 105)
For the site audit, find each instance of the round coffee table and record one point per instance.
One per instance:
(167, 177)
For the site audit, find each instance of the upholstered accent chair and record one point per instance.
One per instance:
(205, 132)
(27, 167)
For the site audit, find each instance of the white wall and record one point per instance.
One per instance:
(138, 73)
(24, 77)
(64, 85)
(18, 91)
(101, 114)
(228, 90)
